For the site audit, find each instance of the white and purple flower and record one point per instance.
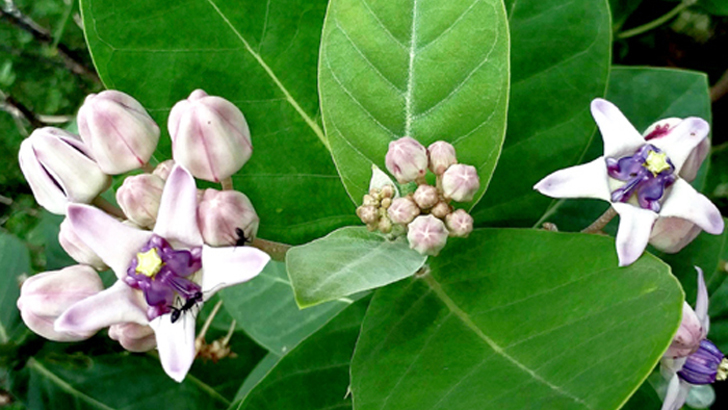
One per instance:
(640, 179)
(158, 272)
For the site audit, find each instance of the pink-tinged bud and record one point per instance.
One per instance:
(460, 182)
(368, 214)
(426, 196)
(77, 249)
(427, 235)
(406, 160)
(210, 136)
(118, 131)
(133, 337)
(688, 336)
(692, 164)
(139, 198)
(670, 235)
(163, 169)
(403, 211)
(442, 155)
(60, 169)
(441, 210)
(221, 214)
(459, 223)
(46, 296)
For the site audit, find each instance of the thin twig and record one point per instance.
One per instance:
(276, 250)
(601, 222)
(720, 88)
(657, 22)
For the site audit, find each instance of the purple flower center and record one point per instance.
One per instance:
(704, 365)
(161, 272)
(647, 173)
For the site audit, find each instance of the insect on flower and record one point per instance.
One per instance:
(188, 305)
(242, 239)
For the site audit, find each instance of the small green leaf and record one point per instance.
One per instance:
(715, 7)
(314, 375)
(561, 55)
(15, 261)
(516, 319)
(348, 261)
(427, 70)
(266, 310)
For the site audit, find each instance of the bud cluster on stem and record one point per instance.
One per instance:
(426, 214)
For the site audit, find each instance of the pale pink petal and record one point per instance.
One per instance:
(177, 217)
(690, 168)
(228, 266)
(701, 303)
(671, 235)
(176, 344)
(677, 392)
(679, 143)
(115, 243)
(635, 225)
(582, 181)
(117, 304)
(683, 201)
(619, 135)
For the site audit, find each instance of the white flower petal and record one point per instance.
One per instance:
(679, 143)
(673, 390)
(177, 217)
(582, 181)
(115, 243)
(176, 344)
(683, 201)
(117, 304)
(635, 225)
(380, 179)
(228, 266)
(619, 135)
(701, 303)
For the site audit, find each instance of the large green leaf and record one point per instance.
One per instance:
(260, 55)
(641, 95)
(15, 261)
(717, 7)
(314, 375)
(266, 310)
(431, 70)
(561, 56)
(517, 319)
(348, 261)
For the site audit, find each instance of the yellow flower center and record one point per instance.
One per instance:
(149, 263)
(656, 162)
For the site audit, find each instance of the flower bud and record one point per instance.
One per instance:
(60, 169)
(406, 160)
(384, 225)
(403, 211)
(387, 192)
(77, 249)
(442, 155)
(118, 131)
(688, 336)
(221, 214)
(139, 198)
(426, 196)
(693, 162)
(163, 169)
(427, 235)
(46, 296)
(460, 182)
(459, 223)
(670, 234)
(368, 214)
(210, 136)
(441, 210)
(133, 337)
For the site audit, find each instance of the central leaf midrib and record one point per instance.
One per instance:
(63, 385)
(465, 319)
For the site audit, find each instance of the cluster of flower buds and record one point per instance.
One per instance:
(210, 138)
(426, 214)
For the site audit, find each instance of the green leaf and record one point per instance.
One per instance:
(561, 56)
(645, 398)
(348, 261)
(266, 310)
(715, 7)
(15, 261)
(621, 10)
(260, 55)
(428, 70)
(315, 375)
(515, 319)
(45, 235)
(640, 94)
(259, 372)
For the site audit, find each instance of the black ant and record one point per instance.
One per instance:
(188, 305)
(242, 240)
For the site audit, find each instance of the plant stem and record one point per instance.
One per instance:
(227, 184)
(276, 250)
(209, 320)
(657, 22)
(601, 222)
(148, 168)
(108, 207)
